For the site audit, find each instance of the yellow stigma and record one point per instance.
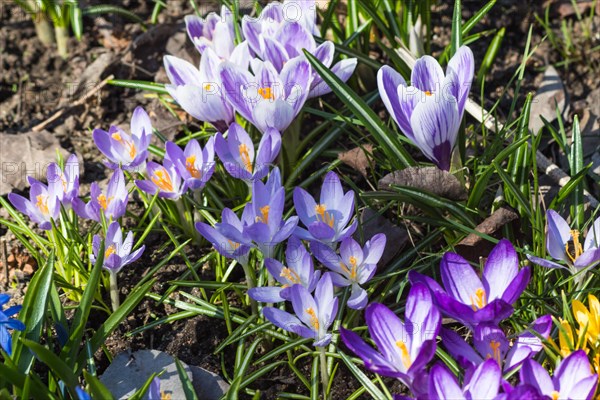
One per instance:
(265, 215)
(314, 321)
(165, 396)
(190, 165)
(406, 361)
(321, 210)
(352, 267)
(42, 204)
(132, 150)
(428, 93)
(496, 355)
(207, 87)
(104, 202)
(163, 180)
(109, 250)
(479, 300)
(555, 395)
(63, 181)
(290, 275)
(266, 93)
(575, 251)
(117, 137)
(234, 245)
(245, 156)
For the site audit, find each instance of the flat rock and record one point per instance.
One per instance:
(26, 154)
(129, 371)
(208, 385)
(550, 95)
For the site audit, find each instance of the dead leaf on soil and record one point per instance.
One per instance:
(373, 223)
(491, 225)
(551, 94)
(431, 179)
(357, 158)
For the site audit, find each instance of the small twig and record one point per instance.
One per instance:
(79, 102)
(5, 261)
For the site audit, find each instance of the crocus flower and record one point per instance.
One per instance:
(112, 204)
(354, 266)
(163, 179)
(483, 384)
(299, 270)
(67, 179)
(238, 156)
(326, 221)
(194, 164)
(472, 300)
(199, 91)
(313, 316)
(82, 394)
(267, 99)
(405, 348)
(430, 110)
(266, 226)
(563, 244)
(588, 318)
(572, 379)
(228, 236)
(491, 342)
(154, 392)
(117, 252)
(43, 205)
(125, 150)
(215, 32)
(8, 323)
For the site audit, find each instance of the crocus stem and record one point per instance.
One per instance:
(43, 29)
(62, 38)
(114, 291)
(337, 323)
(456, 167)
(324, 372)
(250, 282)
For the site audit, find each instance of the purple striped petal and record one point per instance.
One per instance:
(559, 234)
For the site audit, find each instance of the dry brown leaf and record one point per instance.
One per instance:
(357, 158)
(430, 179)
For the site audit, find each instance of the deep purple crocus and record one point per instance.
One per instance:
(429, 111)
(354, 265)
(483, 384)
(267, 98)
(491, 342)
(264, 214)
(43, 205)
(472, 300)
(405, 348)
(163, 179)
(199, 91)
(215, 32)
(129, 151)
(117, 252)
(194, 164)
(313, 316)
(572, 379)
(563, 244)
(112, 204)
(6, 322)
(299, 270)
(238, 155)
(67, 180)
(326, 221)
(228, 236)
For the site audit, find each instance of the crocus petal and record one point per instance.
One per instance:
(373, 360)
(277, 114)
(266, 294)
(342, 69)
(588, 259)
(544, 263)
(388, 81)
(485, 381)
(592, 240)
(534, 374)
(571, 371)
(459, 279)
(236, 82)
(275, 53)
(305, 205)
(462, 65)
(459, 349)
(296, 79)
(559, 233)
(358, 298)
(443, 384)
(584, 389)
(517, 286)
(301, 302)
(181, 72)
(294, 37)
(286, 321)
(501, 268)
(427, 75)
(385, 328)
(375, 248)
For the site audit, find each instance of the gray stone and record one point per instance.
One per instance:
(129, 371)
(208, 385)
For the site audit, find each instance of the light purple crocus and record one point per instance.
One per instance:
(483, 384)
(266, 98)
(264, 214)
(238, 155)
(215, 32)
(194, 164)
(429, 111)
(67, 180)
(572, 379)
(163, 179)
(117, 252)
(563, 244)
(6, 322)
(326, 221)
(129, 151)
(228, 236)
(405, 348)
(491, 342)
(472, 300)
(313, 316)
(112, 204)
(354, 265)
(199, 91)
(43, 205)
(299, 270)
